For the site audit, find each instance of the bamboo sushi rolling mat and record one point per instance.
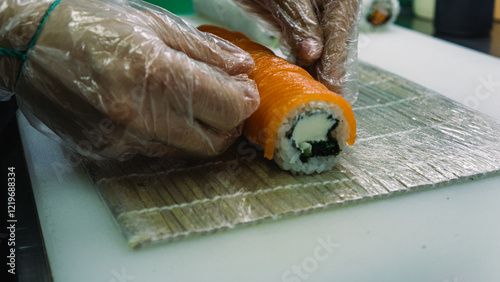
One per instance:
(408, 138)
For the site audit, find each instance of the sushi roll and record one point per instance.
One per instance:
(302, 126)
(378, 14)
(311, 138)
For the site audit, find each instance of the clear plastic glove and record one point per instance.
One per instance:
(117, 78)
(320, 35)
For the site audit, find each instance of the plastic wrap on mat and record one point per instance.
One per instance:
(116, 78)
(409, 138)
(319, 35)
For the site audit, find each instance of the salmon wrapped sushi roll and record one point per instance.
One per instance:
(302, 126)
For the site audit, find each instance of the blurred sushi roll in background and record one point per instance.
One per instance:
(378, 14)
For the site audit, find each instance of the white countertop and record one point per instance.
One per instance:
(447, 234)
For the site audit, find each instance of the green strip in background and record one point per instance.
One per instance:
(179, 7)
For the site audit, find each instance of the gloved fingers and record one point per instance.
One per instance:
(339, 21)
(230, 102)
(175, 100)
(298, 22)
(181, 103)
(141, 70)
(203, 47)
(158, 113)
(203, 92)
(154, 86)
(193, 137)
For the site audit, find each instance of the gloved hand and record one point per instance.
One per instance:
(116, 78)
(320, 35)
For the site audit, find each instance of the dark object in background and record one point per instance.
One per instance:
(7, 110)
(464, 18)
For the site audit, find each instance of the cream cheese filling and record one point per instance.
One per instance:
(311, 128)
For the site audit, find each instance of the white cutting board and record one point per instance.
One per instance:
(448, 234)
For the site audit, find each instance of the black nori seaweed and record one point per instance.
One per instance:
(330, 137)
(329, 147)
(322, 148)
